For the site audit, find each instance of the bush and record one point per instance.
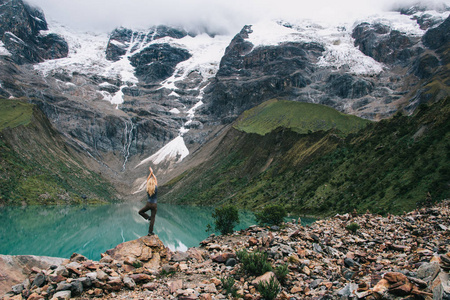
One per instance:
(352, 227)
(281, 272)
(228, 286)
(225, 218)
(269, 290)
(272, 214)
(254, 264)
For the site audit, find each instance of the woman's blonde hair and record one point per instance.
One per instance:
(151, 185)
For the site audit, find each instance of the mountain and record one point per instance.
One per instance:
(36, 165)
(389, 166)
(132, 98)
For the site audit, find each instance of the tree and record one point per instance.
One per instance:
(225, 218)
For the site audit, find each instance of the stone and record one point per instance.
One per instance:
(441, 286)
(175, 285)
(17, 289)
(381, 287)
(139, 278)
(35, 296)
(231, 262)
(394, 277)
(210, 288)
(428, 271)
(76, 287)
(349, 290)
(129, 283)
(152, 286)
(222, 258)
(39, 280)
(62, 295)
(264, 278)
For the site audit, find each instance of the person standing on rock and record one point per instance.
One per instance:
(152, 190)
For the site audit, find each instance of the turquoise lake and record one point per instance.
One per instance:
(59, 231)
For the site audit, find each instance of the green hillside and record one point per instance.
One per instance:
(36, 167)
(388, 166)
(299, 116)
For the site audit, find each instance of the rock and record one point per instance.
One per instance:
(17, 289)
(35, 296)
(62, 295)
(264, 278)
(129, 283)
(39, 280)
(349, 290)
(175, 285)
(150, 286)
(76, 287)
(222, 258)
(231, 262)
(428, 271)
(441, 286)
(78, 257)
(139, 278)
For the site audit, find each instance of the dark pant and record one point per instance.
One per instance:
(153, 208)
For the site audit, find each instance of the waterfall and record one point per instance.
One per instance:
(128, 139)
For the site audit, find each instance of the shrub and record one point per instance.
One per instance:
(272, 214)
(228, 286)
(352, 227)
(281, 273)
(225, 218)
(255, 263)
(269, 290)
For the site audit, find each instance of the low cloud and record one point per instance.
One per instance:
(224, 16)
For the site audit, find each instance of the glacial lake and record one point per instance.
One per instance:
(59, 231)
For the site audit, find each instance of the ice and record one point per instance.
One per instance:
(3, 50)
(175, 150)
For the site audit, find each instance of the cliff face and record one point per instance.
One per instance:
(20, 32)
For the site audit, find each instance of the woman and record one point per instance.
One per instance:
(152, 190)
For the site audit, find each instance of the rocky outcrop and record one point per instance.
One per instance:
(157, 62)
(248, 76)
(438, 38)
(392, 257)
(121, 39)
(20, 33)
(384, 44)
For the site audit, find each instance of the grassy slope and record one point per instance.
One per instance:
(35, 165)
(387, 167)
(299, 116)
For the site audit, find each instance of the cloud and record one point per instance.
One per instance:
(224, 16)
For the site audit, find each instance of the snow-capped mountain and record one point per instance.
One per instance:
(133, 97)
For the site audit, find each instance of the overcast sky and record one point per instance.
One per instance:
(219, 16)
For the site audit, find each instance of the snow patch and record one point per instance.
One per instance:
(175, 111)
(3, 50)
(175, 150)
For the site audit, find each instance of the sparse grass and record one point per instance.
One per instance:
(299, 116)
(14, 113)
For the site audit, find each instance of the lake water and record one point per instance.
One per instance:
(59, 231)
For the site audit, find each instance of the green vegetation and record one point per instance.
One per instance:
(36, 167)
(352, 227)
(254, 263)
(299, 116)
(269, 290)
(272, 214)
(228, 286)
(225, 218)
(281, 273)
(387, 167)
(14, 113)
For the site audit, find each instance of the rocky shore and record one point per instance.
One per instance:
(392, 257)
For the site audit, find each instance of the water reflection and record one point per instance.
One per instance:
(60, 231)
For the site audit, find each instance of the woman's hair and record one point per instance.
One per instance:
(151, 185)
